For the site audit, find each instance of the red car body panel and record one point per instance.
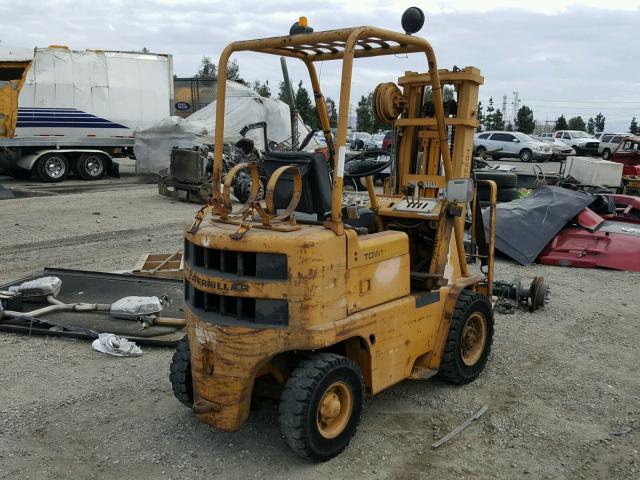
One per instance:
(577, 247)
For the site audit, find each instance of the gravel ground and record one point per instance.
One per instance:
(561, 385)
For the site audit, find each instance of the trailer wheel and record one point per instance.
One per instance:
(52, 167)
(91, 166)
(469, 341)
(180, 376)
(321, 405)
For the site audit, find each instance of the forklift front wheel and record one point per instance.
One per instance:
(321, 405)
(469, 341)
(180, 373)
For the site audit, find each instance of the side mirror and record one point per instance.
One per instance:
(515, 140)
(459, 190)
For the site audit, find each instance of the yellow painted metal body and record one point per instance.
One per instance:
(9, 95)
(339, 288)
(383, 299)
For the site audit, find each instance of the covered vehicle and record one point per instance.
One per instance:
(525, 226)
(153, 145)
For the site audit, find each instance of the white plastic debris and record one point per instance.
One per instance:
(113, 345)
(40, 287)
(134, 308)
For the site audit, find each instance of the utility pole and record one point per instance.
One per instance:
(504, 106)
(516, 104)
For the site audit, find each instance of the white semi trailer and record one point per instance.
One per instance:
(72, 112)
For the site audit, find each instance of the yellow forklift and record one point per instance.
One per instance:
(319, 310)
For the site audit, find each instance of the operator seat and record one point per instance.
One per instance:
(316, 186)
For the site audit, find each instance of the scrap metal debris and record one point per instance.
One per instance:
(460, 428)
(118, 346)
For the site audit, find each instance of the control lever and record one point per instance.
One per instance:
(411, 188)
(420, 187)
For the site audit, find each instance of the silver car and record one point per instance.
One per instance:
(609, 142)
(514, 145)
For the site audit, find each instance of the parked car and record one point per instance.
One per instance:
(375, 141)
(559, 150)
(581, 142)
(544, 135)
(598, 135)
(387, 141)
(359, 140)
(609, 142)
(512, 144)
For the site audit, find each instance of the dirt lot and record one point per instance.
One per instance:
(562, 385)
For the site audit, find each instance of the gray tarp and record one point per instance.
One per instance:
(525, 226)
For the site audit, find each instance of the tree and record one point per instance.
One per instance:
(262, 89)
(633, 127)
(144, 50)
(591, 126)
(332, 111)
(233, 73)
(479, 116)
(498, 121)
(283, 93)
(524, 120)
(305, 108)
(509, 127)
(207, 69)
(561, 123)
(364, 116)
(599, 121)
(577, 123)
(488, 122)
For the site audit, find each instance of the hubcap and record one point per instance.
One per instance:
(473, 338)
(55, 167)
(526, 156)
(334, 410)
(94, 166)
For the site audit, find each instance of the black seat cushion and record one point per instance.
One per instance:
(316, 185)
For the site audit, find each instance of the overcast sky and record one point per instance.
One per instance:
(562, 56)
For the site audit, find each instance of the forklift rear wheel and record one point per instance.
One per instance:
(469, 341)
(321, 405)
(180, 376)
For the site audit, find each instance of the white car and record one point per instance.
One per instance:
(375, 141)
(581, 142)
(560, 150)
(609, 142)
(359, 140)
(512, 144)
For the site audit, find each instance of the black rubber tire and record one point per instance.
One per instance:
(180, 373)
(502, 179)
(452, 368)
(84, 163)
(504, 194)
(480, 150)
(47, 175)
(606, 154)
(19, 173)
(526, 155)
(301, 399)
